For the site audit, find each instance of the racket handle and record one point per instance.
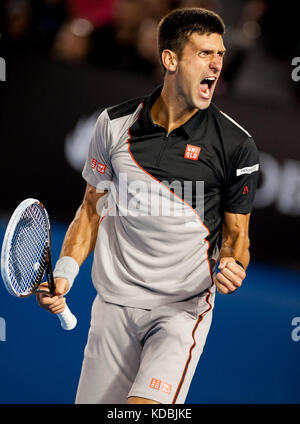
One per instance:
(67, 319)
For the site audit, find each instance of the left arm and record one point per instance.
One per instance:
(235, 247)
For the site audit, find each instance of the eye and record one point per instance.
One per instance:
(204, 53)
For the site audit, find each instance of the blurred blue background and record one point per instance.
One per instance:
(250, 356)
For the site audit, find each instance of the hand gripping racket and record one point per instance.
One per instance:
(26, 255)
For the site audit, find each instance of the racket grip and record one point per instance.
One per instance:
(67, 319)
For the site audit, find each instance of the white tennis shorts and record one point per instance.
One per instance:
(147, 353)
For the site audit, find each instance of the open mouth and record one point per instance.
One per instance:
(206, 86)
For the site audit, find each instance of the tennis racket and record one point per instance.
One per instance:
(26, 255)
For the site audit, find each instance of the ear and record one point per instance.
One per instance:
(169, 60)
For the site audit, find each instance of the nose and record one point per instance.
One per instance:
(216, 63)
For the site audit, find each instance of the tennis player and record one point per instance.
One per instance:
(170, 185)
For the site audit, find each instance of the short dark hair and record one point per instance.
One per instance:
(177, 26)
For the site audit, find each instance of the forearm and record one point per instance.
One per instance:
(236, 247)
(81, 235)
(79, 242)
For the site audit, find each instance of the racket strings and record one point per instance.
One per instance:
(28, 254)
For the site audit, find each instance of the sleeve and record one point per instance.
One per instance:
(243, 179)
(97, 170)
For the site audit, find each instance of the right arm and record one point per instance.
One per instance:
(79, 242)
(80, 238)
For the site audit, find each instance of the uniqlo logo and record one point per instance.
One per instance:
(166, 388)
(192, 152)
(101, 168)
(155, 384)
(94, 163)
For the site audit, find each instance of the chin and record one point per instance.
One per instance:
(203, 104)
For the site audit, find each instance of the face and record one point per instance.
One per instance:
(198, 69)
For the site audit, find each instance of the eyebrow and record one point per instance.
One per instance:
(211, 51)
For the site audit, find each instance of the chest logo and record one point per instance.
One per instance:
(192, 152)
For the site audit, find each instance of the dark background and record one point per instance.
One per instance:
(67, 60)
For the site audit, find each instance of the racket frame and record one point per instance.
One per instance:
(7, 244)
(67, 319)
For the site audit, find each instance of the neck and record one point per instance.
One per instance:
(169, 110)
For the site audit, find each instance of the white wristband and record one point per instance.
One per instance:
(66, 267)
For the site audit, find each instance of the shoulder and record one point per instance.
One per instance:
(233, 134)
(113, 122)
(125, 108)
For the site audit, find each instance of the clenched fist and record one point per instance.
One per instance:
(230, 277)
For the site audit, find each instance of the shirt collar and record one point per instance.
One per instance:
(188, 128)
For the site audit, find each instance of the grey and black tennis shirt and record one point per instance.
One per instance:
(160, 229)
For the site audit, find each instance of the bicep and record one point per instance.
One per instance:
(92, 201)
